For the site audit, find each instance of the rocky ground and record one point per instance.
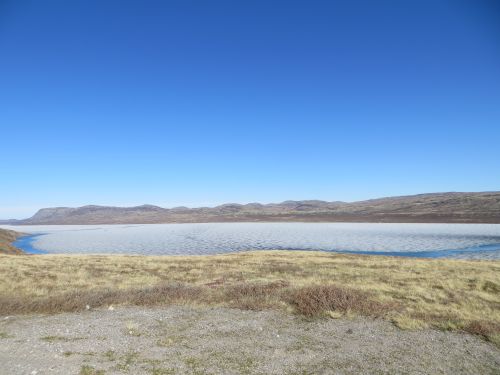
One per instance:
(190, 340)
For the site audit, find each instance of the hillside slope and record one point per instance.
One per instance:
(6, 238)
(481, 207)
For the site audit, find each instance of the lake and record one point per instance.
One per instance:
(481, 241)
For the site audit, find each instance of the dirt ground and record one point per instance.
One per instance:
(190, 340)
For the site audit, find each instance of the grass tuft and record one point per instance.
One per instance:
(89, 370)
(409, 323)
(4, 335)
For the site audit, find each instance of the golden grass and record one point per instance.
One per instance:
(413, 293)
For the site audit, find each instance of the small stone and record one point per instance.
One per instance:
(349, 331)
(87, 307)
(111, 308)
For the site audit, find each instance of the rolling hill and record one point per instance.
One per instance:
(482, 207)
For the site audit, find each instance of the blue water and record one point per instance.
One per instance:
(475, 250)
(25, 243)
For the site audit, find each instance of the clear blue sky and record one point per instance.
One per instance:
(204, 102)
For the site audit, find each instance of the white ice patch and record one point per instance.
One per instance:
(213, 238)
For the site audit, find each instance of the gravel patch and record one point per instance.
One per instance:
(189, 340)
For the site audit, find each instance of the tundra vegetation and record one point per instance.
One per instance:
(412, 293)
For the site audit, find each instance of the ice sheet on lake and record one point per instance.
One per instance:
(213, 238)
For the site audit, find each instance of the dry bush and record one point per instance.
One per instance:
(254, 296)
(482, 328)
(317, 299)
(254, 290)
(165, 294)
(79, 299)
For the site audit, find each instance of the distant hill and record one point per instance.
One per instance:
(481, 207)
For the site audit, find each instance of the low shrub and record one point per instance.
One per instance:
(317, 299)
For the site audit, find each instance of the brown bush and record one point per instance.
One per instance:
(308, 301)
(253, 296)
(164, 294)
(78, 300)
(254, 290)
(482, 328)
(315, 300)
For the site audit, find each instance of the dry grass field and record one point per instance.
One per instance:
(412, 293)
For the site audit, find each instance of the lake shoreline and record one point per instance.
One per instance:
(25, 243)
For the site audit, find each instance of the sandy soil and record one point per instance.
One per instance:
(188, 340)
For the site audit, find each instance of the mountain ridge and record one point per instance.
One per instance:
(454, 207)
